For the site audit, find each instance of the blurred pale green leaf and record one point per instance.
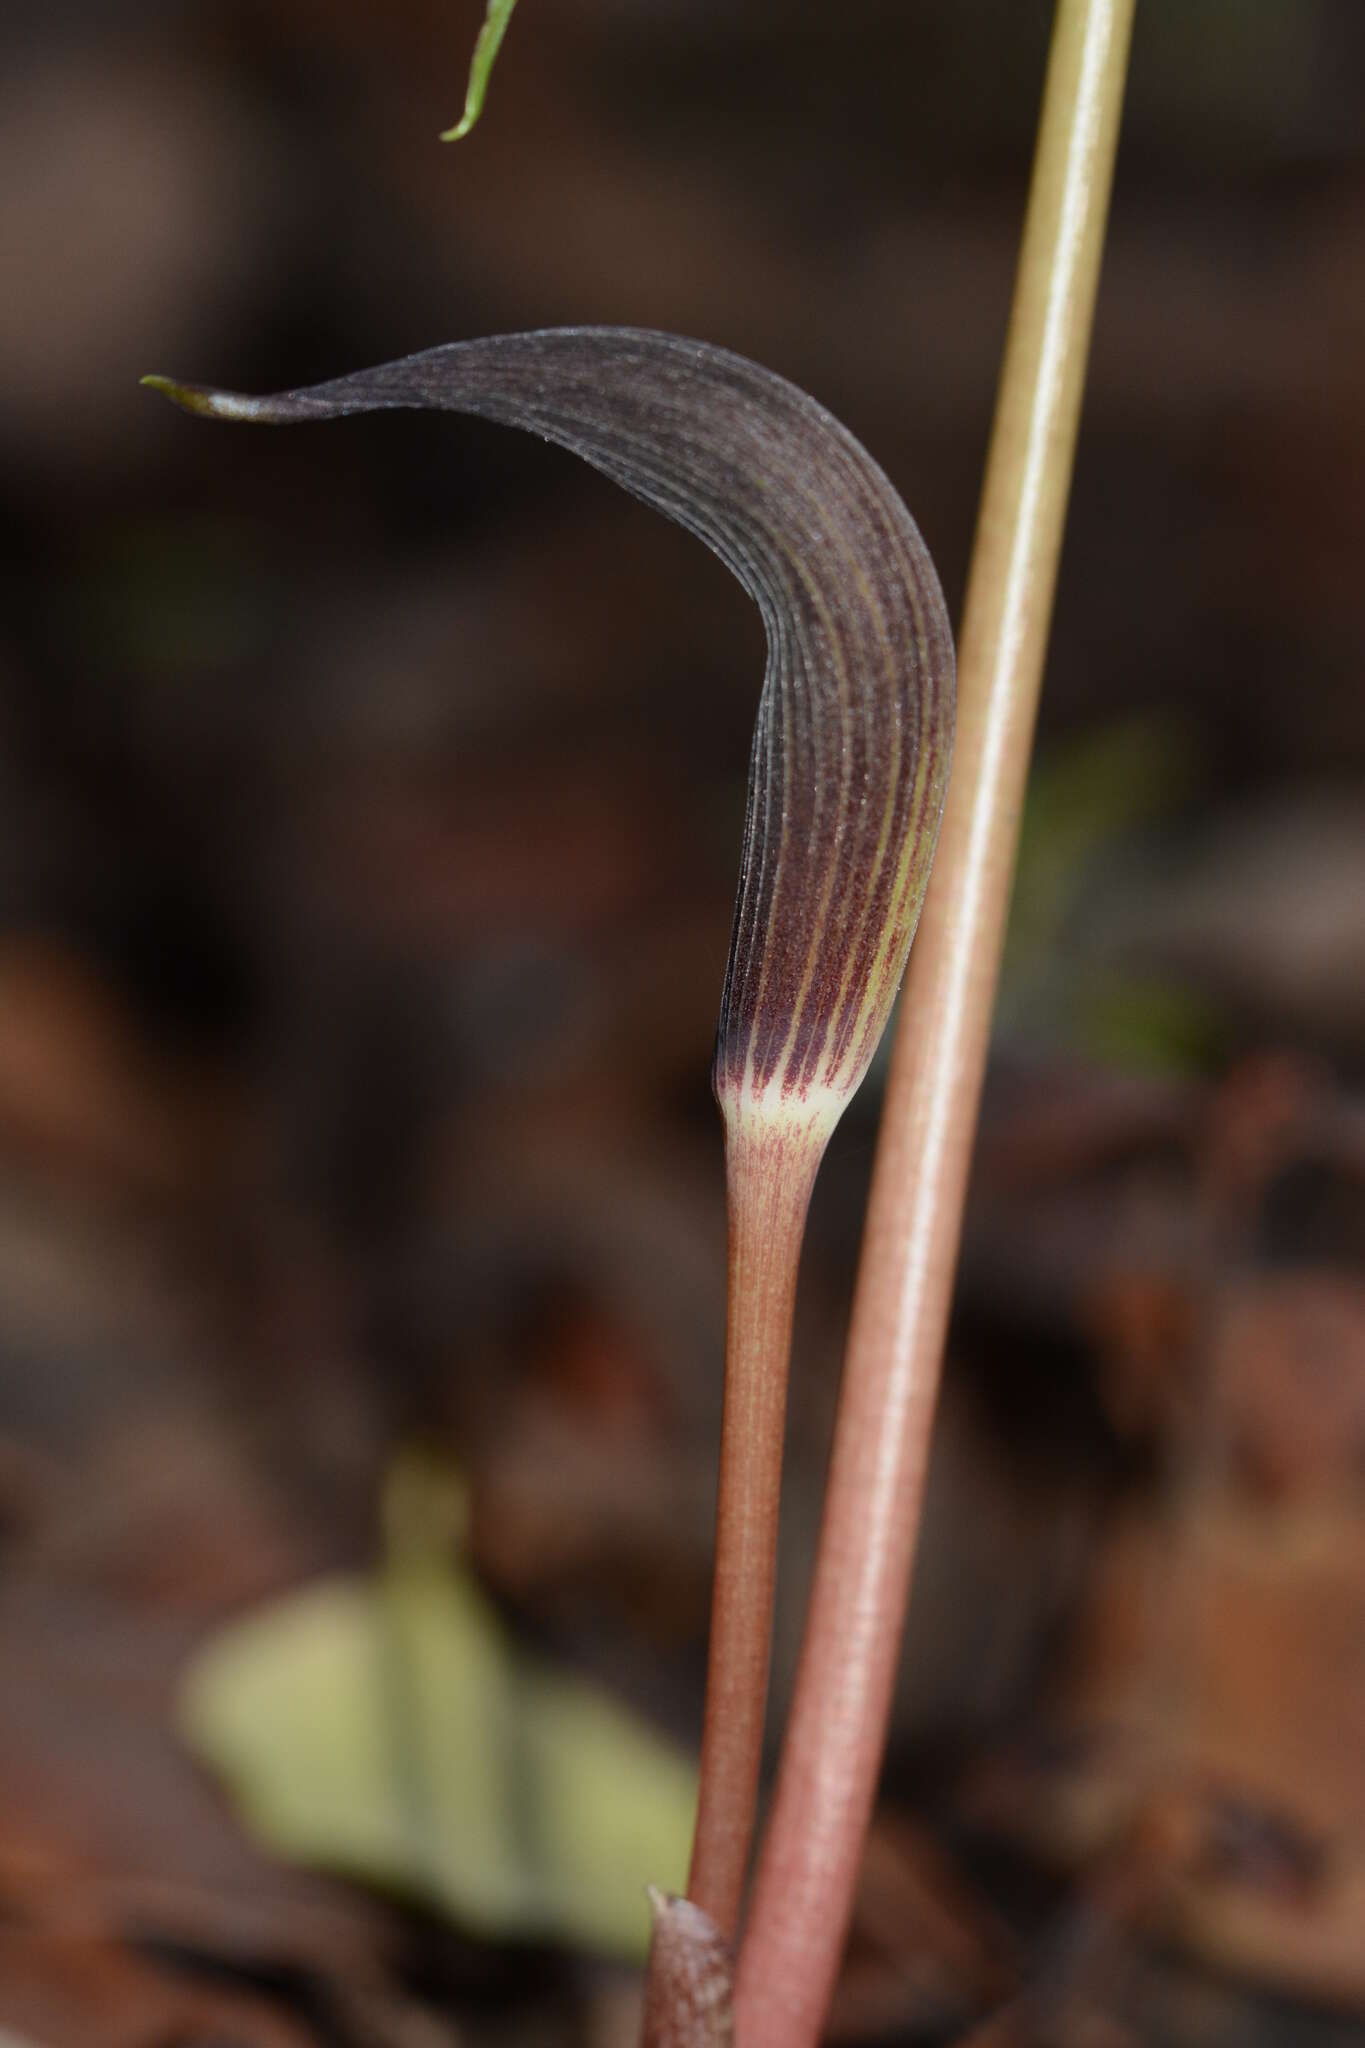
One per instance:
(1083, 798)
(1089, 804)
(391, 1730)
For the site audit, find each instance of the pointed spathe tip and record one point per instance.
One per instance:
(206, 403)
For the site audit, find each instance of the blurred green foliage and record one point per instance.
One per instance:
(390, 1729)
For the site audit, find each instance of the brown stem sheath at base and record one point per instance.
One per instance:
(689, 1992)
(803, 1890)
(771, 1163)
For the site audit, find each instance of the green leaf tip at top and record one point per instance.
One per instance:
(481, 66)
(849, 763)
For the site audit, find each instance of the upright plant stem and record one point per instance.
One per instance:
(835, 1736)
(770, 1169)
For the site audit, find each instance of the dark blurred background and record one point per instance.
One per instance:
(369, 814)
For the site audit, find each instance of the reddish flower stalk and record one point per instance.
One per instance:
(770, 1172)
(836, 1733)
